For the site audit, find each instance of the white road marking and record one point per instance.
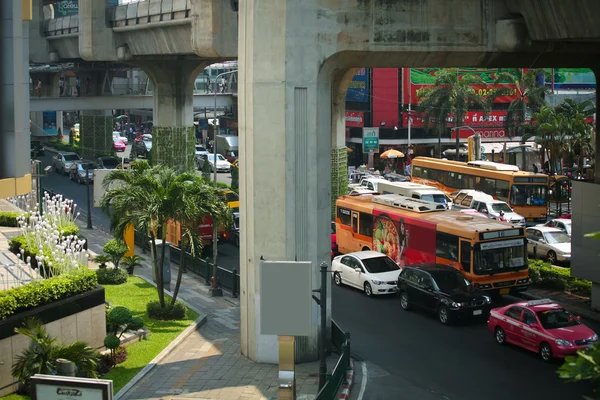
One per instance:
(363, 382)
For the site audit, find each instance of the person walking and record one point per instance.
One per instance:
(88, 84)
(61, 86)
(78, 86)
(38, 88)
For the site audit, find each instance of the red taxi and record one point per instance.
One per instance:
(542, 326)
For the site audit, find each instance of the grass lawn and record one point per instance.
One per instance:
(135, 294)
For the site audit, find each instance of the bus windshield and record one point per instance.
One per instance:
(500, 256)
(528, 195)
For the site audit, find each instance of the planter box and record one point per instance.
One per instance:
(79, 318)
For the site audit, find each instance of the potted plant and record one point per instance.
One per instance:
(131, 262)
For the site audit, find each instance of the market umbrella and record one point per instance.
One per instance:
(120, 117)
(391, 154)
(349, 150)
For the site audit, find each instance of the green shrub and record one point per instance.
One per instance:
(222, 185)
(545, 275)
(111, 276)
(235, 178)
(39, 293)
(116, 249)
(8, 218)
(111, 342)
(169, 312)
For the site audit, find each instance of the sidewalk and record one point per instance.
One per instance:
(208, 364)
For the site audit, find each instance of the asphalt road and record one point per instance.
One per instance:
(228, 253)
(411, 356)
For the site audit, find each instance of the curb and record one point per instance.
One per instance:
(202, 318)
(585, 314)
(345, 388)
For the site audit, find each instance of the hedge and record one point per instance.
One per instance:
(8, 218)
(544, 275)
(111, 276)
(64, 146)
(39, 293)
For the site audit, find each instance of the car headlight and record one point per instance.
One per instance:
(563, 342)
(487, 299)
(378, 282)
(595, 337)
(457, 305)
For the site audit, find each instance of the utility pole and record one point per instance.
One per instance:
(89, 197)
(322, 302)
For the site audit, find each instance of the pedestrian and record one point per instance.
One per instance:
(38, 88)
(78, 86)
(208, 84)
(535, 169)
(88, 84)
(61, 86)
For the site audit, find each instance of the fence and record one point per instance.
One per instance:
(228, 280)
(341, 341)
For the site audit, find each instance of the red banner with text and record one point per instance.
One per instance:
(355, 118)
(473, 119)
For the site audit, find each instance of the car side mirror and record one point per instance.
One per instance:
(542, 241)
(358, 270)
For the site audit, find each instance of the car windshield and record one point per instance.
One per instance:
(497, 207)
(211, 157)
(568, 228)
(147, 138)
(70, 157)
(200, 148)
(377, 265)
(557, 237)
(83, 166)
(232, 196)
(557, 318)
(528, 195)
(500, 256)
(436, 198)
(110, 162)
(447, 281)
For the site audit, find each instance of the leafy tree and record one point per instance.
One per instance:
(235, 177)
(40, 357)
(530, 96)
(206, 170)
(450, 96)
(546, 129)
(115, 249)
(132, 262)
(59, 135)
(577, 128)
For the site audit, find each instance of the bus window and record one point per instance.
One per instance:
(446, 246)
(366, 224)
(502, 190)
(528, 195)
(355, 222)
(344, 216)
(465, 255)
(417, 172)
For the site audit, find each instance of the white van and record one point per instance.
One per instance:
(486, 204)
(369, 182)
(416, 191)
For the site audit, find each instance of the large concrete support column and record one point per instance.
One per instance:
(173, 131)
(285, 186)
(39, 48)
(15, 166)
(596, 140)
(95, 134)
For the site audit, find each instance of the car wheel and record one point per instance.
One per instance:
(404, 301)
(552, 257)
(500, 335)
(546, 352)
(443, 315)
(368, 289)
(337, 279)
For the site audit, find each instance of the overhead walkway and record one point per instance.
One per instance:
(119, 102)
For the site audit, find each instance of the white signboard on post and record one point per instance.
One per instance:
(285, 298)
(54, 387)
(370, 140)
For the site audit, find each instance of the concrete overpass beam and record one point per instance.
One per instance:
(511, 35)
(96, 38)
(214, 29)
(173, 130)
(39, 47)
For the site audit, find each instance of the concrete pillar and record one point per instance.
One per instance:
(96, 38)
(95, 134)
(596, 141)
(173, 131)
(39, 49)
(285, 159)
(14, 94)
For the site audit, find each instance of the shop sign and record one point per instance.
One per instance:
(472, 118)
(65, 8)
(370, 140)
(54, 387)
(355, 118)
(488, 134)
(358, 89)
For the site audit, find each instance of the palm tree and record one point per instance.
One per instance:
(577, 128)
(530, 96)
(41, 355)
(546, 131)
(195, 201)
(450, 96)
(132, 262)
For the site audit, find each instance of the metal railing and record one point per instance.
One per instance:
(227, 280)
(341, 341)
(144, 12)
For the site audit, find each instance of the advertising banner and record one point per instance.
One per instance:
(421, 78)
(487, 134)
(355, 118)
(570, 78)
(358, 90)
(49, 122)
(65, 8)
(473, 119)
(370, 140)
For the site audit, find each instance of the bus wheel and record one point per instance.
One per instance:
(366, 248)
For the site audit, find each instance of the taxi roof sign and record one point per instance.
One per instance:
(539, 302)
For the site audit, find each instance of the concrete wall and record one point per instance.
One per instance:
(87, 326)
(585, 252)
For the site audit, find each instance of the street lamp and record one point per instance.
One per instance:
(214, 290)
(89, 202)
(477, 141)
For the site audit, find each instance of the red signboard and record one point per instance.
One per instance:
(417, 79)
(487, 134)
(473, 118)
(355, 118)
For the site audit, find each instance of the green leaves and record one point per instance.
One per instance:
(594, 235)
(585, 366)
(174, 146)
(339, 175)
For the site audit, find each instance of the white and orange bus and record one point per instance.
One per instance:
(525, 192)
(492, 254)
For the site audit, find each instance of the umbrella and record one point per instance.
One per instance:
(391, 154)
(349, 150)
(120, 117)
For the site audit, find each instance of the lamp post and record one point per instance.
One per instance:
(477, 141)
(214, 290)
(89, 202)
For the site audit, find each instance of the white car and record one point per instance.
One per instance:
(550, 243)
(201, 151)
(222, 164)
(371, 271)
(562, 224)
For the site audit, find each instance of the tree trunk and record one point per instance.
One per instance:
(159, 283)
(179, 272)
(161, 295)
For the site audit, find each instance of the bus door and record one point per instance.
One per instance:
(355, 243)
(466, 256)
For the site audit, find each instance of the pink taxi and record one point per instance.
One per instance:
(542, 326)
(118, 145)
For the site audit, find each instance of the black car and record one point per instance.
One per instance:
(36, 148)
(441, 289)
(141, 147)
(108, 162)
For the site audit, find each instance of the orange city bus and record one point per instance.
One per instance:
(525, 192)
(490, 253)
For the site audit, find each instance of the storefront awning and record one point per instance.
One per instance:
(498, 147)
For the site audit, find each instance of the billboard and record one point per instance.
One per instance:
(65, 8)
(49, 122)
(355, 118)
(417, 79)
(472, 118)
(358, 90)
(570, 78)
